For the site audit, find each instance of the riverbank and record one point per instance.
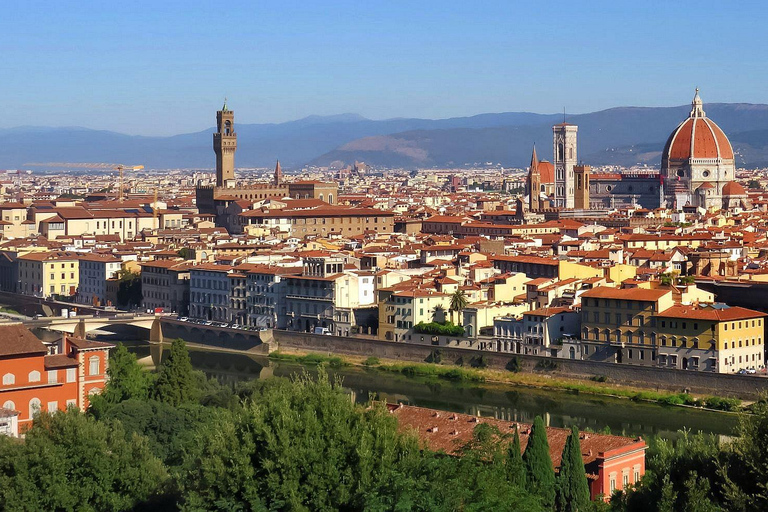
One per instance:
(458, 373)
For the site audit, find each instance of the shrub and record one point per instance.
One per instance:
(514, 364)
(372, 361)
(721, 404)
(479, 362)
(440, 329)
(599, 378)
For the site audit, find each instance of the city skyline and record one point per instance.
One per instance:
(150, 71)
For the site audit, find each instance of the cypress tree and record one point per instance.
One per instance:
(538, 464)
(175, 381)
(572, 490)
(516, 473)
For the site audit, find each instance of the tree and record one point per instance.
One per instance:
(176, 383)
(538, 464)
(187, 253)
(572, 489)
(458, 303)
(129, 288)
(516, 472)
(70, 461)
(127, 379)
(302, 445)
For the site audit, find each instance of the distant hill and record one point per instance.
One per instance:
(625, 135)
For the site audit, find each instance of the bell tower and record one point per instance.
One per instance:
(225, 145)
(564, 140)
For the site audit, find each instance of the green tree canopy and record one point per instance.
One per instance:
(572, 488)
(176, 382)
(516, 472)
(70, 461)
(538, 464)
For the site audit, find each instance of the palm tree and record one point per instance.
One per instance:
(458, 303)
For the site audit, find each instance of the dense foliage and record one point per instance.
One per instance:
(175, 440)
(439, 329)
(700, 472)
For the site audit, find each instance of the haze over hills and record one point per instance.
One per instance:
(623, 135)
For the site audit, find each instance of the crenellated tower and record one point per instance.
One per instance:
(225, 145)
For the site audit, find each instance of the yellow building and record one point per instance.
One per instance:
(44, 274)
(400, 310)
(645, 327)
(618, 325)
(712, 338)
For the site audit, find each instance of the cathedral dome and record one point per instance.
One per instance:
(697, 137)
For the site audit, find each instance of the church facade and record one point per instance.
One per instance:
(697, 171)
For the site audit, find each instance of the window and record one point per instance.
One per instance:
(34, 407)
(53, 407)
(34, 376)
(93, 365)
(71, 403)
(9, 379)
(52, 376)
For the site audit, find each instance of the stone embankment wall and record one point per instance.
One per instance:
(742, 386)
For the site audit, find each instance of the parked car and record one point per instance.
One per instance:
(323, 330)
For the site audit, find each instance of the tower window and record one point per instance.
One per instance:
(228, 128)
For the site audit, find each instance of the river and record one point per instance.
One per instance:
(514, 403)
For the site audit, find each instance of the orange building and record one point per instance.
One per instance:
(611, 462)
(36, 377)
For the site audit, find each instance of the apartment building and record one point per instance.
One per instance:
(266, 294)
(646, 327)
(165, 284)
(323, 221)
(710, 337)
(401, 310)
(13, 221)
(619, 325)
(49, 273)
(34, 380)
(209, 292)
(311, 297)
(95, 270)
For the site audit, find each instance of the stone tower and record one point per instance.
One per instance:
(278, 180)
(581, 187)
(564, 142)
(534, 183)
(225, 145)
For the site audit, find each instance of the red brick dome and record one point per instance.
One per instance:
(697, 137)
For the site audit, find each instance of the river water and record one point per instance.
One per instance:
(513, 403)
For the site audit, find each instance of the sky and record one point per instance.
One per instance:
(165, 67)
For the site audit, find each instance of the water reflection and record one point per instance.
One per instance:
(558, 408)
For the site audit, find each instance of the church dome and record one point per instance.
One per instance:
(697, 137)
(733, 189)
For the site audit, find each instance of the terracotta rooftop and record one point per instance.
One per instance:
(17, 340)
(449, 431)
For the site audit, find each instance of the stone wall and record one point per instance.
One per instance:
(742, 386)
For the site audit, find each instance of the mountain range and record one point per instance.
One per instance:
(623, 136)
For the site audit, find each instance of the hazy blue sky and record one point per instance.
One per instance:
(164, 67)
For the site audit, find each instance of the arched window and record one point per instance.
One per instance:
(9, 405)
(34, 407)
(560, 151)
(228, 127)
(93, 365)
(9, 379)
(34, 376)
(330, 198)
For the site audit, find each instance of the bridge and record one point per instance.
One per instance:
(78, 326)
